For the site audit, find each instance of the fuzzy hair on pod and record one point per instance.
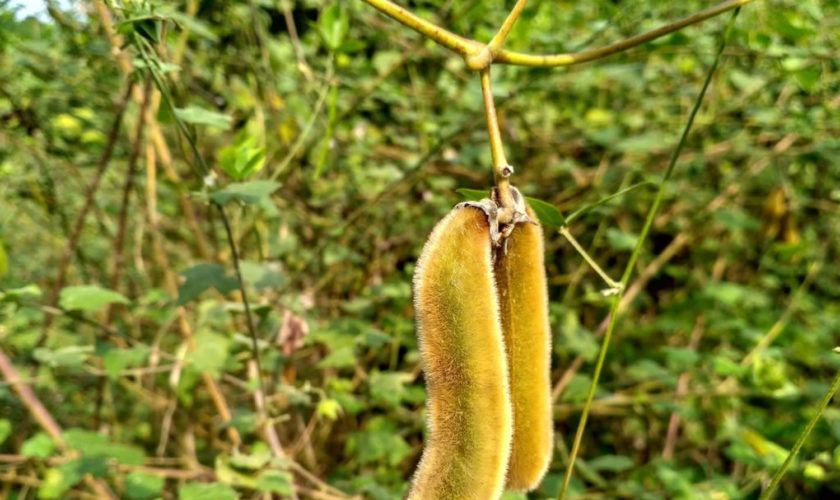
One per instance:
(523, 301)
(469, 412)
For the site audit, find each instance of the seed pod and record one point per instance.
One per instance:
(523, 305)
(460, 337)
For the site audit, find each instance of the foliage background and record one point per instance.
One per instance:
(368, 130)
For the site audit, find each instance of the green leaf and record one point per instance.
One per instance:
(92, 444)
(116, 360)
(379, 442)
(340, 358)
(142, 486)
(242, 159)
(89, 298)
(612, 463)
(473, 194)
(5, 429)
(388, 387)
(58, 480)
(328, 408)
(206, 491)
(262, 275)
(260, 455)
(38, 446)
(23, 294)
(333, 26)
(211, 352)
(619, 240)
(548, 214)
(201, 277)
(586, 208)
(200, 116)
(275, 481)
(246, 192)
(67, 357)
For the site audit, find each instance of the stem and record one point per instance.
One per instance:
(248, 316)
(501, 169)
(451, 41)
(628, 270)
(496, 42)
(522, 59)
(614, 285)
(835, 386)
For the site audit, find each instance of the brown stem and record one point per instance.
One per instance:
(128, 187)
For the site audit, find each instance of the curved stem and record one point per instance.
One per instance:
(440, 35)
(501, 169)
(495, 44)
(523, 59)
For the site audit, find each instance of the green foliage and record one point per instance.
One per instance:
(334, 153)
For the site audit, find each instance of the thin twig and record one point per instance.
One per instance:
(614, 285)
(519, 58)
(128, 187)
(440, 35)
(499, 38)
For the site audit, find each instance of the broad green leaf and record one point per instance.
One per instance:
(89, 298)
(388, 387)
(275, 481)
(340, 358)
(211, 352)
(38, 446)
(260, 456)
(201, 116)
(262, 275)
(203, 276)
(548, 214)
(333, 25)
(142, 486)
(92, 444)
(22, 294)
(206, 491)
(242, 159)
(246, 192)
(226, 474)
(67, 357)
(379, 442)
(117, 359)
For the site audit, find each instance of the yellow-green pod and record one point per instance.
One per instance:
(469, 414)
(523, 303)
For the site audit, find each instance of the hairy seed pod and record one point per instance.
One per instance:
(523, 304)
(460, 338)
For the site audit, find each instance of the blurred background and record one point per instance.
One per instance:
(335, 138)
